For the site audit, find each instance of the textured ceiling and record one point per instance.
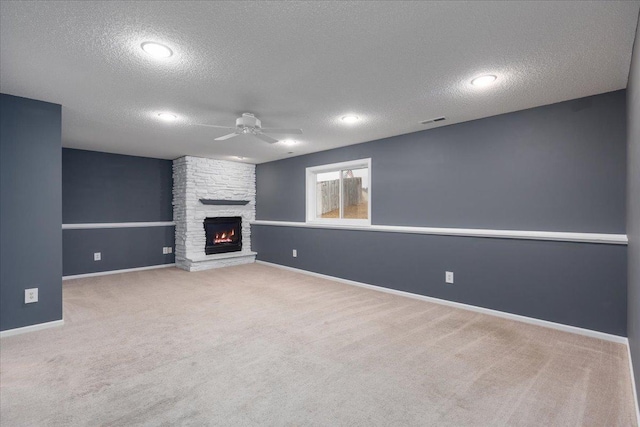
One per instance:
(303, 65)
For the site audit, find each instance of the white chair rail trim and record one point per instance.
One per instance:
(117, 225)
(609, 239)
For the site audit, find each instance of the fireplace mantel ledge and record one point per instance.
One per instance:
(224, 202)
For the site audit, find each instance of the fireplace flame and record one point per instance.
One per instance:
(224, 237)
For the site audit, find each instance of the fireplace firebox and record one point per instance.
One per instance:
(223, 234)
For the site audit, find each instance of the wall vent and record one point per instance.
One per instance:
(437, 119)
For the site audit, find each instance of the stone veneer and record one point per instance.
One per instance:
(196, 178)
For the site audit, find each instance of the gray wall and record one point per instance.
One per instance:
(30, 211)
(581, 285)
(633, 207)
(555, 168)
(102, 187)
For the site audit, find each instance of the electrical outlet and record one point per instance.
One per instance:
(170, 250)
(97, 256)
(448, 276)
(164, 250)
(295, 253)
(30, 295)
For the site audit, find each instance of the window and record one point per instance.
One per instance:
(340, 193)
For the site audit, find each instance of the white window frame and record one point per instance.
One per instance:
(311, 192)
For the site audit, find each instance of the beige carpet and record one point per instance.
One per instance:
(256, 345)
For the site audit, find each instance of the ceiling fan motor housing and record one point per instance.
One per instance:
(248, 120)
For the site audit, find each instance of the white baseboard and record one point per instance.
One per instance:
(125, 270)
(505, 315)
(31, 328)
(633, 384)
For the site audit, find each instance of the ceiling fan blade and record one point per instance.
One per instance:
(279, 130)
(231, 135)
(214, 126)
(265, 138)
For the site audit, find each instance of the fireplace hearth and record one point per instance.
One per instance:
(223, 234)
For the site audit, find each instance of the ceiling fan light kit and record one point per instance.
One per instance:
(248, 124)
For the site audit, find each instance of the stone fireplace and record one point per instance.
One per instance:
(213, 204)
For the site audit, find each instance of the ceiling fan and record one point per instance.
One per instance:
(248, 124)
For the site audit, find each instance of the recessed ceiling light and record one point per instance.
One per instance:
(289, 141)
(156, 50)
(240, 157)
(483, 81)
(350, 118)
(167, 117)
